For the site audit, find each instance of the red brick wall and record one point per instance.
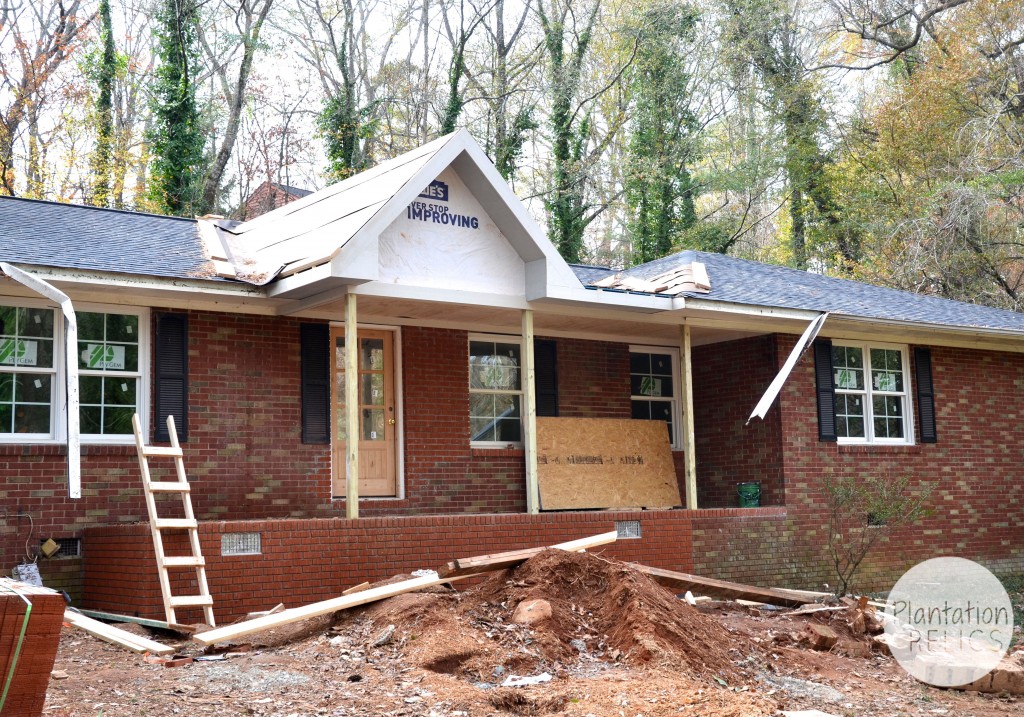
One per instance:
(728, 380)
(304, 561)
(974, 470)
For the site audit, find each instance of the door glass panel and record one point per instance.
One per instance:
(372, 422)
(339, 422)
(372, 389)
(371, 354)
(339, 353)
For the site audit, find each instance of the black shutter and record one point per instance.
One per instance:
(826, 390)
(314, 343)
(171, 384)
(925, 394)
(545, 362)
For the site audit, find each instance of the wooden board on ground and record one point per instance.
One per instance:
(500, 561)
(588, 463)
(722, 588)
(231, 632)
(146, 622)
(116, 636)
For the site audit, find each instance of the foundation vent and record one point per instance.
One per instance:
(628, 529)
(68, 547)
(240, 544)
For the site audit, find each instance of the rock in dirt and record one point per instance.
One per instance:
(820, 637)
(384, 637)
(532, 612)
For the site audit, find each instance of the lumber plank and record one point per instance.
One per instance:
(722, 588)
(231, 632)
(356, 589)
(115, 636)
(295, 614)
(511, 558)
(146, 622)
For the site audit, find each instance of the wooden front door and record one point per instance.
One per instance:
(378, 420)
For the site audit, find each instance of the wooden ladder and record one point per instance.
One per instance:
(189, 523)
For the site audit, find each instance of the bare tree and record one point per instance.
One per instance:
(248, 17)
(38, 36)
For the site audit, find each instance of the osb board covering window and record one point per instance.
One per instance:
(586, 463)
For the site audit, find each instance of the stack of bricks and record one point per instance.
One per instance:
(27, 691)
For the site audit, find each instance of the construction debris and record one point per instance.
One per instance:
(682, 582)
(145, 622)
(500, 561)
(115, 636)
(344, 602)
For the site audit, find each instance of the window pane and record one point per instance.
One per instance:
(118, 391)
(31, 419)
(117, 421)
(508, 430)
(639, 363)
(481, 429)
(888, 411)
(8, 320)
(6, 387)
(850, 416)
(90, 326)
(481, 404)
(661, 410)
(90, 390)
(848, 368)
(123, 328)
(91, 419)
(661, 365)
(886, 370)
(32, 388)
(35, 322)
(6, 418)
(641, 409)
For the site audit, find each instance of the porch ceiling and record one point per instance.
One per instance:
(580, 324)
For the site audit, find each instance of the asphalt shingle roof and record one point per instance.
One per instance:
(72, 236)
(742, 281)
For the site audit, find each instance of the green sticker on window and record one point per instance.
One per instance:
(102, 356)
(18, 352)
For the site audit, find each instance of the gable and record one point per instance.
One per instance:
(446, 240)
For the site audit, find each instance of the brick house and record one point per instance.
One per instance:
(269, 196)
(234, 329)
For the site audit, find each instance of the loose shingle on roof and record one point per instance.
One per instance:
(742, 281)
(72, 236)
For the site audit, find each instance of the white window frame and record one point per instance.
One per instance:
(500, 339)
(869, 391)
(676, 399)
(58, 398)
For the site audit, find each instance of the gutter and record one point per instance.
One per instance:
(71, 370)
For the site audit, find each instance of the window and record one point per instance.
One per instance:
(871, 387)
(654, 381)
(109, 375)
(112, 365)
(495, 390)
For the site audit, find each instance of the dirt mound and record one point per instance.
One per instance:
(603, 613)
(610, 609)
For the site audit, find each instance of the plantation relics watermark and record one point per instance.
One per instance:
(948, 621)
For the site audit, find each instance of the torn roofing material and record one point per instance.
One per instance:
(741, 281)
(72, 236)
(312, 230)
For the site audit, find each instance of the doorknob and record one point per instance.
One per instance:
(391, 421)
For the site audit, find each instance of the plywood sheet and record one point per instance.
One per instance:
(588, 463)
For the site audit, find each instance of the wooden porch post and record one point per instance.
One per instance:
(351, 408)
(690, 471)
(530, 415)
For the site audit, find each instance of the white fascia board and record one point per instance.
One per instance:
(444, 296)
(726, 307)
(943, 329)
(115, 281)
(810, 333)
